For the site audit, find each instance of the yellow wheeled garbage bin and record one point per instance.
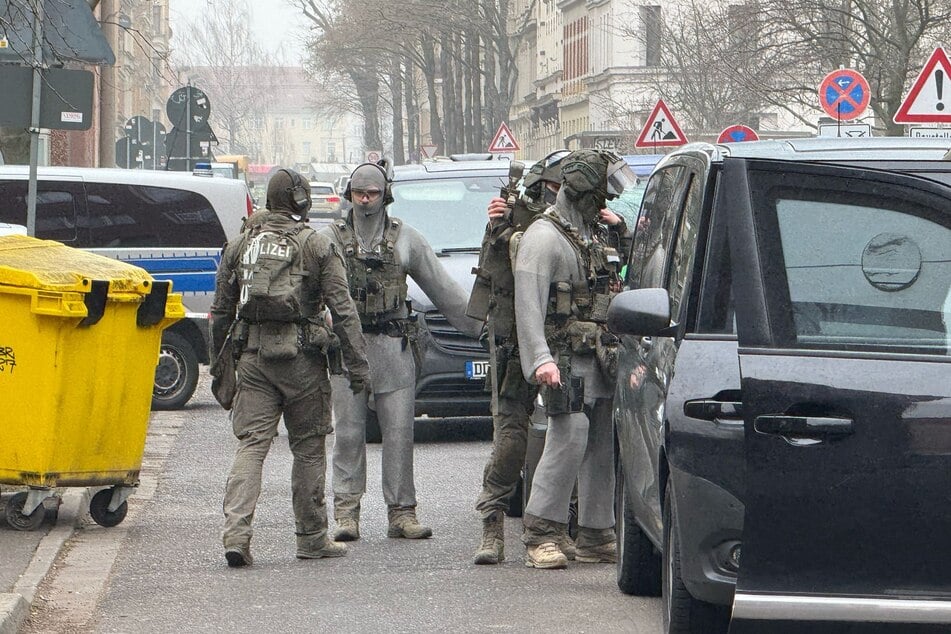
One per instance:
(79, 342)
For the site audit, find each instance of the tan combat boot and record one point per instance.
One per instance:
(347, 516)
(567, 546)
(403, 523)
(600, 554)
(309, 547)
(547, 556)
(492, 550)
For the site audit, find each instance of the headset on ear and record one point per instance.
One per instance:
(387, 170)
(300, 197)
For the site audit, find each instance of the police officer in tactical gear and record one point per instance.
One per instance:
(565, 277)
(512, 396)
(273, 285)
(380, 251)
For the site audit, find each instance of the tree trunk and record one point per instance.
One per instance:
(435, 122)
(458, 97)
(396, 94)
(368, 92)
(413, 141)
(448, 107)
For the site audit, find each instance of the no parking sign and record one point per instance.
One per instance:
(844, 94)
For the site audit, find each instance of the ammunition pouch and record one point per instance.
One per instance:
(567, 398)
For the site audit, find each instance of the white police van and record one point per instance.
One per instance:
(173, 224)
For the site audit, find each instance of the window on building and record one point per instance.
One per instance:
(652, 28)
(331, 152)
(157, 19)
(279, 123)
(744, 25)
(307, 123)
(305, 150)
(293, 123)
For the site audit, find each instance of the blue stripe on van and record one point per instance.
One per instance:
(195, 274)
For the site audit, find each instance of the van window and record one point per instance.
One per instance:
(56, 208)
(122, 215)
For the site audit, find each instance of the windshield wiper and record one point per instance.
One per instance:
(449, 250)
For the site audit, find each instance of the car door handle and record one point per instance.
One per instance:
(803, 426)
(712, 409)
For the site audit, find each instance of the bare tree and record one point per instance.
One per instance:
(220, 55)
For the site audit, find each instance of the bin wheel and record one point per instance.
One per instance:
(176, 374)
(99, 509)
(18, 520)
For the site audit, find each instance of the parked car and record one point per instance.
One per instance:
(446, 202)
(782, 394)
(173, 224)
(325, 206)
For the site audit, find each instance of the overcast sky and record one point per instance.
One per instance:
(277, 23)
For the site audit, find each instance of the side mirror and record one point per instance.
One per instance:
(642, 312)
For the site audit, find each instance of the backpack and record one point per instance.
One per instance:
(272, 274)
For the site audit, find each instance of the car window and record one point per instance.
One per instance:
(318, 190)
(685, 247)
(865, 266)
(654, 229)
(449, 212)
(716, 310)
(56, 208)
(141, 216)
(628, 203)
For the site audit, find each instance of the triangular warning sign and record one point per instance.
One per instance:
(661, 129)
(929, 100)
(504, 140)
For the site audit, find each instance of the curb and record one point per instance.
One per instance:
(15, 606)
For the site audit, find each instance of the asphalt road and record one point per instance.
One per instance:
(163, 570)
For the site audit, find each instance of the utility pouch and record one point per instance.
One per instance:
(562, 299)
(582, 336)
(278, 340)
(607, 354)
(239, 337)
(224, 383)
(567, 398)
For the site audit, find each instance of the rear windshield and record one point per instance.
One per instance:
(319, 190)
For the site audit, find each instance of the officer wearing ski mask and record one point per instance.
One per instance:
(513, 397)
(565, 277)
(380, 252)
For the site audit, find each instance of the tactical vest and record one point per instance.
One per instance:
(578, 311)
(493, 294)
(377, 284)
(272, 274)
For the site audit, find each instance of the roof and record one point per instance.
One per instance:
(832, 148)
(446, 169)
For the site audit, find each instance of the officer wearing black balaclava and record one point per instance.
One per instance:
(272, 315)
(380, 252)
(565, 277)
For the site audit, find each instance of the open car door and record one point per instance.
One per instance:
(842, 281)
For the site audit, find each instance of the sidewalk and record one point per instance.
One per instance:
(27, 556)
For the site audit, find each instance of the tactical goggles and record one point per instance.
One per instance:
(369, 194)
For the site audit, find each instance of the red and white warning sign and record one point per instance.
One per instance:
(661, 129)
(504, 141)
(929, 100)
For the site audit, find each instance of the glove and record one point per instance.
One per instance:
(358, 384)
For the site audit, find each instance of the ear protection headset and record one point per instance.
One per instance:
(300, 197)
(384, 166)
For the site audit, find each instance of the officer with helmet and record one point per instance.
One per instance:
(565, 277)
(380, 252)
(273, 286)
(513, 397)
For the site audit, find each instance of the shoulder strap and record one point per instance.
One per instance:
(580, 248)
(346, 236)
(391, 233)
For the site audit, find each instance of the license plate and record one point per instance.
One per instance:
(477, 369)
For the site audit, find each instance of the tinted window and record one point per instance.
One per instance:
(654, 230)
(57, 208)
(866, 266)
(142, 216)
(685, 248)
(321, 191)
(628, 203)
(716, 314)
(449, 212)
